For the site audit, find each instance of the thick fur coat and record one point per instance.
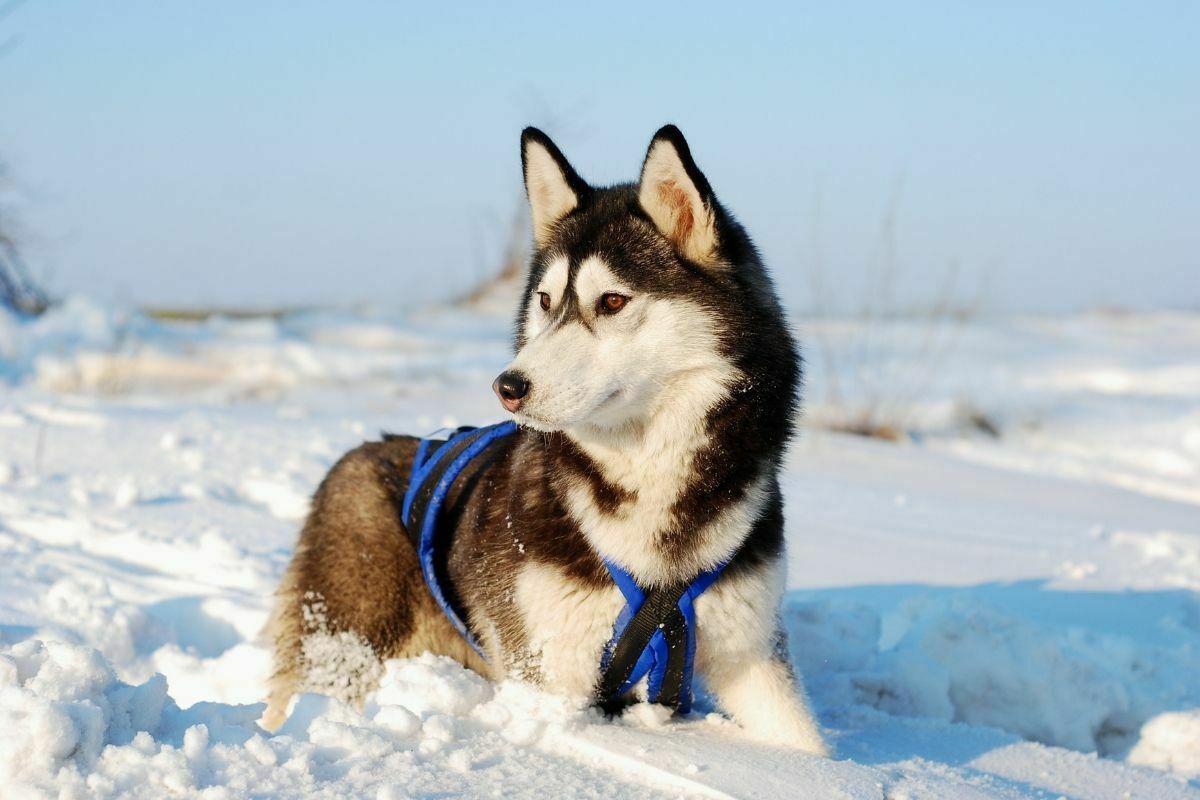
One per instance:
(656, 384)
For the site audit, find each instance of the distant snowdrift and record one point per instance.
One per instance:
(1104, 397)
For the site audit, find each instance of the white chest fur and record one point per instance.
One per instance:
(567, 626)
(654, 463)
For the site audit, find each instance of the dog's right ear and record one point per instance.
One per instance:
(553, 187)
(677, 197)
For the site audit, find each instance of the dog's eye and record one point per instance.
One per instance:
(544, 300)
(611, 303)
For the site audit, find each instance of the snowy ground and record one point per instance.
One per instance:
(975, 617)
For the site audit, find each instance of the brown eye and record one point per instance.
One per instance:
(544, 301)
(611, 303)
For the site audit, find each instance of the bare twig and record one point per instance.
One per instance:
(886, 402)
(18, 291)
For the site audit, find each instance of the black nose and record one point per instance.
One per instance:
(511, 387)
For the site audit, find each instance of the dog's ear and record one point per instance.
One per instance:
(677, 197)
(553, 187)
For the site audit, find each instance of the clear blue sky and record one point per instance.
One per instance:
(279, 152)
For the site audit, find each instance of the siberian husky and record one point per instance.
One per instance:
(655, 383)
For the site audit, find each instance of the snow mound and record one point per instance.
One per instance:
(1171, 741)
(979, 666)
(960, 660)
(73, 730)
(61, 706)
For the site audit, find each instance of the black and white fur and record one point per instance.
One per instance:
(651, 435)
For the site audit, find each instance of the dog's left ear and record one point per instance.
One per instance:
(677, 197)
(553, 186)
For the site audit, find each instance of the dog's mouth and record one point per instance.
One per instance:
(533, 420)
(527, 420)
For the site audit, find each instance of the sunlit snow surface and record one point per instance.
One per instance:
(974, 617)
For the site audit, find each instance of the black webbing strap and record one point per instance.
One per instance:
(659, 611)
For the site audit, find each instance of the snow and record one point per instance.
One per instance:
(1171, 741)
(974, 616)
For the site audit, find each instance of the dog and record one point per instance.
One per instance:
(655, 383)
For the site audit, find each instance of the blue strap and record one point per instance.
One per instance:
(464, 445)
(425, 464)
(652, 662)
(687, 606)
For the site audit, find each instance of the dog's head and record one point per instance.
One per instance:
(633, 291)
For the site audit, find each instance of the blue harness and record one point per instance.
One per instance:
(654, 635)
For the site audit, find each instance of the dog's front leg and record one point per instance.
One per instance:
(763, 695)
(742, 655)
(566, 625)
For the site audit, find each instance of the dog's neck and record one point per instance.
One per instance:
(630, 497)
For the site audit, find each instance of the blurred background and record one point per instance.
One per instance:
(1035, 157)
